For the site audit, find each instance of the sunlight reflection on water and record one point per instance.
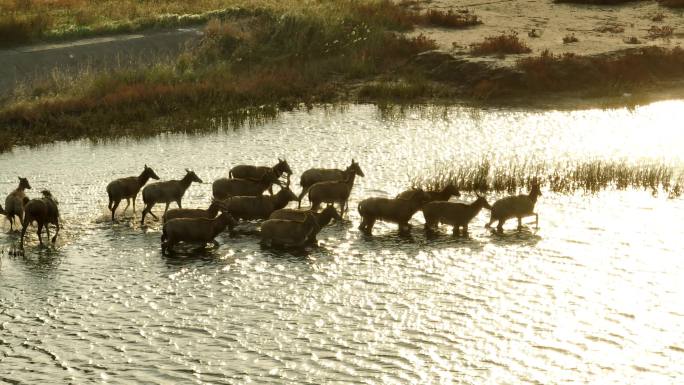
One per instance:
(594, 295)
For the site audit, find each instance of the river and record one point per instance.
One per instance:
(594, 295)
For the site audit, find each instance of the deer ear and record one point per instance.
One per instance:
(146, 165)
(187, 170)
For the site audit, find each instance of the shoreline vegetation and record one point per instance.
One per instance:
(258, 58)
(563, 178)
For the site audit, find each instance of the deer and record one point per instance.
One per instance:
(224, 187)
(322, 218)
(396, 210)
(288, 233)
(44, 211)
(261, 207)
(166, 192)
(195, 230)
(337, 191)
(15, 201)
(316, 175)
(209, 213)
(128, 188)
(257, 173)
(455, 214)
(515, 207)
(442, 195)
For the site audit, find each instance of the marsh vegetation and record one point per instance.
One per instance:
(559, 177)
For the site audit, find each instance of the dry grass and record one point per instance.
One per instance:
(506, 43)
(610, 28)
(596, 2)
(672, 3)
(451, 19)
(24, 21)
(260, 58)
(565, 178)
(567, 39)
(549, 72)
(663, 32)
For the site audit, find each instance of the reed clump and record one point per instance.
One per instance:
(506, 43)
(565, 178)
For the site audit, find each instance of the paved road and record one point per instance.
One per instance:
(26, 63)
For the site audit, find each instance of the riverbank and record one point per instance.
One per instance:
(257, 61)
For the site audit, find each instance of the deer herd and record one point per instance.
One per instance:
(242, 196)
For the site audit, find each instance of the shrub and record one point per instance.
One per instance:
(502, 44)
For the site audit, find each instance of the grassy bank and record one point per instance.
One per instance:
(26, 21)
(247, 57)
(564, 178)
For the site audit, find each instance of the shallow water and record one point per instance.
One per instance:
(593, 295)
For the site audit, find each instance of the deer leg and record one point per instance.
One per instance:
(520, 226)
(315, 205)
(536, 220)
(47, 230)
(465, 230)
(134, 198)
(128, 203)
(116, 204)
(40, 230)
(178, 202)
(56, 231)
(499, 226)
(369, 225)
(11, 220)
(215, 242)
(149, 210)
(23, 232)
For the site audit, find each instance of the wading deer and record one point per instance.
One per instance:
(395, 210)
(515, 207)
(455, 214)
(128, 188)
(44, 211)
(257, 173)
(322, 219)
(195, 230)
(15, 201)
(333, 191)
(442, 195)
(224, 187)
(261, 207)
(316, 175)
(166, 192)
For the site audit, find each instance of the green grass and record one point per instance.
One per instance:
(564, 178)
